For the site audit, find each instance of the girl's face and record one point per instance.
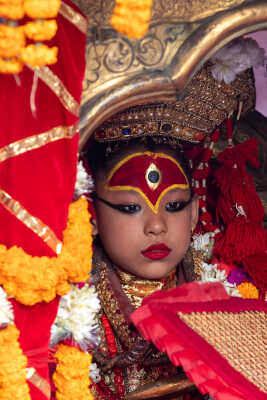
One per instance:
(138, 240)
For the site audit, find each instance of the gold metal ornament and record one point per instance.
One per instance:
(153, 169)
(183, 34)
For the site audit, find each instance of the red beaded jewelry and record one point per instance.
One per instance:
(113, 351)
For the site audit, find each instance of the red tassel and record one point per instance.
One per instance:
(215, 136)
(256, 267)
(241, 239)
(201, 191)
(241, 153)
(206, 155)
(229, 128)
(200, 174)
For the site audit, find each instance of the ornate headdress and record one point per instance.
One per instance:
(209, 106)
(206, 104)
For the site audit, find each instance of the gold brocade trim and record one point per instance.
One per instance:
(57, 86)
(37, 141)
(33, 223)
(136, 289)
(239, 337)
(41, 383)
(111, 308)
(74, 17)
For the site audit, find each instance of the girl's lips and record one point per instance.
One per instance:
(156, 251)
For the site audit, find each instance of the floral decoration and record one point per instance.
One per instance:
(76, 328)
(235, 57)
(71, 378)
(6, 311)
(34, 279)
(76, 317)
(84, 182)
(14, 51)
(235, 281)
(13, 385)
(131, 17)
(248, 291)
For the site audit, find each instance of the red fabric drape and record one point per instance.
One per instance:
(158, 320)
(42, 180)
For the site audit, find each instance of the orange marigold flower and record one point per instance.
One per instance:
(11, 9)
(13, 385)
(39, 55)
(11, 66)
(131, 17)
(41, 8)
(12, 40)
(41, 30)
(248, 290)
(71, 377)
(34, 279)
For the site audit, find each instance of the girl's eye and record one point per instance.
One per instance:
(174, 206)
(129, 208)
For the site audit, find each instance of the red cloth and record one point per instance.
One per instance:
(42, 180)
(157, 320)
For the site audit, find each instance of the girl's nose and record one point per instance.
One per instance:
(155, 224)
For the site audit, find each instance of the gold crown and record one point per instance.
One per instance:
(205, 105)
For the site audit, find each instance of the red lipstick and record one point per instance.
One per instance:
(156, 251)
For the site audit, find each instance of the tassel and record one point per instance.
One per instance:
(242, 238)
(256, 266)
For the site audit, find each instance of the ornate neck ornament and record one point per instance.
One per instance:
(136, 289)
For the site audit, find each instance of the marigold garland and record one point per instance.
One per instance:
(71, 377)
(12, 9)
(37, 56)
(131, 17)
(248, 291)
(40, 30)
(13, 38)
(13, 385)
(34, 279)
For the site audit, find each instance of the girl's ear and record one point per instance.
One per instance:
(194, 212)
(94, 227)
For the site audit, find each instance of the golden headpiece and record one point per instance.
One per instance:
(205, 105)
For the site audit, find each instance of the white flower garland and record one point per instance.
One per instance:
(76, 317)
(210, 272)
(6, 310)
(84, 182)
(235, 57)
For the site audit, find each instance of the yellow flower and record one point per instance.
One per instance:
(72, 374)
(41, 30)
(13, 385)
(11, 66)
(11, 9)
(41, 8)
(248, 290)
(34, 279)
(131, 17)
(12, 40)
(39, 55)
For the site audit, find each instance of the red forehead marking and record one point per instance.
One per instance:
(132, 173)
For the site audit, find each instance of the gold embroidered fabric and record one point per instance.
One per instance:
(136, 289)
(41, 383)
(33, 223)
(74, 17)
(37, 141)
(111, 307)
(57, 86)
(205, 105)
(238, 337)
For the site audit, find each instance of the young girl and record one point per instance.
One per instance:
(145, 214)
(151, 165)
